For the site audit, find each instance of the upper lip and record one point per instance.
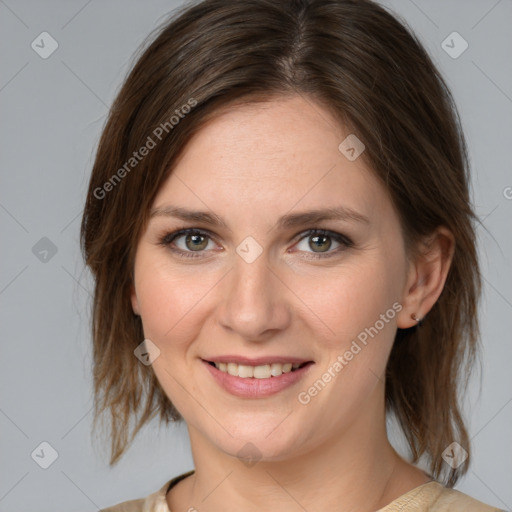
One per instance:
(256, 361)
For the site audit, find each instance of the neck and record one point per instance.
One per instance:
(356, 467)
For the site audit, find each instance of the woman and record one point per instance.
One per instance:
(280, 231)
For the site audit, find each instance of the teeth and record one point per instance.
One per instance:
(233, 369)
(245, 371)
(264, 371)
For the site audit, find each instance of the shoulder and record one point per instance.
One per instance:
(127, 506)
(155, 502)
(434, 497)
(453, 500)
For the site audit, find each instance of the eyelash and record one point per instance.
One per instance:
(168, 238)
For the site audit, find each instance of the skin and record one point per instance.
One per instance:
(251, 165)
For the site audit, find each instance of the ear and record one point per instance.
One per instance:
(134, 300)
(426, 276)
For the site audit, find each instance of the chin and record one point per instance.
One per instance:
(262, 440)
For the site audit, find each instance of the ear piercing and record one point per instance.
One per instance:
(416, 319)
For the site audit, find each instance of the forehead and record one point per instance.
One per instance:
(280, 152)
(280, 133)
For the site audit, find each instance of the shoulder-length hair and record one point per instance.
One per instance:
(370, 71)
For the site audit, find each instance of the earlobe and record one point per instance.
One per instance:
(411, 300)
(427, 277)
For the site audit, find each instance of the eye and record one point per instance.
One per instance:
(186, 242)
(193, 243)
(320, 241)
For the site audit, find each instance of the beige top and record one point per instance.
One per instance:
(429, 497)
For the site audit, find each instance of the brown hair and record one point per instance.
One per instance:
(357, 60)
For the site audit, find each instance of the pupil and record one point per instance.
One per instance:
(197, 243)
(319, 241)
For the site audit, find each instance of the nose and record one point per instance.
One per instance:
(256, 301)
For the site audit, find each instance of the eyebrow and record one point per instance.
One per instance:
(285, 222)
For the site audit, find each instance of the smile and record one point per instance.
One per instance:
(265, 371)
(257, 380)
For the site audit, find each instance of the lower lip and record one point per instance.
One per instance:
(256, 388)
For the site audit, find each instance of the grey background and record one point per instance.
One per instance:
(52, 112)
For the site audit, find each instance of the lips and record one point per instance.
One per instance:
(258, 377)
(255, 361)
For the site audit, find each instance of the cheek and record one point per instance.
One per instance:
(345, 301)
(169, 306)
(170, 300)
(358, 304)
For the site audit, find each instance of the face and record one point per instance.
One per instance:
(245, 265)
